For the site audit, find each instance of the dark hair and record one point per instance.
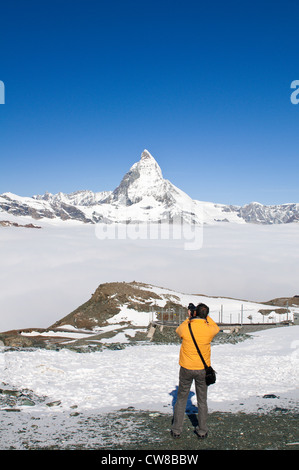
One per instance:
(202, 311)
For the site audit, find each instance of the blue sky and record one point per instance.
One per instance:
(204, 86)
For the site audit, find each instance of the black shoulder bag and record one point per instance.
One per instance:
(210, 372)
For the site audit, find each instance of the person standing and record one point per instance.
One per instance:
(192, 368)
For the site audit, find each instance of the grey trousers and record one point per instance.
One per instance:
(186, 378)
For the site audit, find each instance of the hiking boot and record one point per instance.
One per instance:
(200, 436)
(175, 435)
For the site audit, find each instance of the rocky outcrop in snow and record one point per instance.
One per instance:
(259, 214)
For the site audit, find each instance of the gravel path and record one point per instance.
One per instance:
(139, 430)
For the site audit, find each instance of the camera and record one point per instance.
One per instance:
(191, 307)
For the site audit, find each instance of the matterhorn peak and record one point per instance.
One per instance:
(148, 166)
(146, 155)
(141, 180)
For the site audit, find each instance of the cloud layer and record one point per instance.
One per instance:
(48, 273)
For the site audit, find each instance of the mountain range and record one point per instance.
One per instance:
(143, 195)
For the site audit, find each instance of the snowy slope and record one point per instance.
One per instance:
(146, 376)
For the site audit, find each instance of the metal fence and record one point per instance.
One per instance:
(244, 316)
(168, 316)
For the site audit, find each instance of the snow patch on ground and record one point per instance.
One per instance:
(146, 376)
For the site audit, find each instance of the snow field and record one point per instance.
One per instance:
(146, 376)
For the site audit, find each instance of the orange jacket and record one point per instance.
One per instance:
(203, 331)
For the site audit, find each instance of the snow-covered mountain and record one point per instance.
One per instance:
(143, 195)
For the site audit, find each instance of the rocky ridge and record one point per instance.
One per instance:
(8, 223)
(121, 313)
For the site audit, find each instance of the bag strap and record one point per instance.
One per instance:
(198, 350)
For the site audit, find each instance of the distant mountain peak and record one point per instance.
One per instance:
(146, 155)
(148, 166)
(141, 180)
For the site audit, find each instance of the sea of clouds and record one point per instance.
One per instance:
(46, 273)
